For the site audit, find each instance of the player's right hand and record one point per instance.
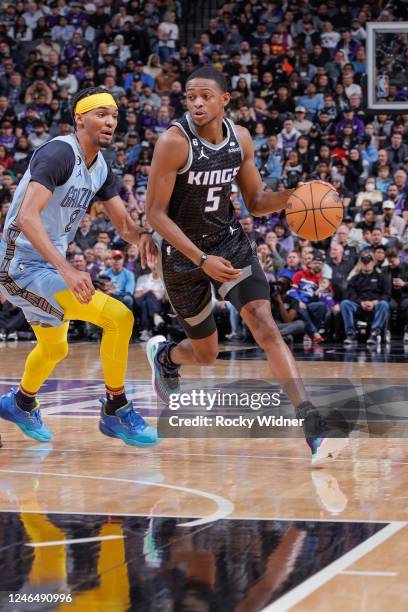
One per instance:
(220, 269)
(80, 284)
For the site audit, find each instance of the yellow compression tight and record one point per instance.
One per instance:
(116, 321)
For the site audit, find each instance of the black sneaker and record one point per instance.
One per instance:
(349, 340)
(325, 441)
(374, 338)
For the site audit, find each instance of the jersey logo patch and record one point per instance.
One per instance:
(79, 160)
(195, 142)
(202, 154)
(232, 230)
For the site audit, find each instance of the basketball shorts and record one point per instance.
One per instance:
(31, 286)
(189, 288)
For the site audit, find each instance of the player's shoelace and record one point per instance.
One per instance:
(35, 417)
(133, 421)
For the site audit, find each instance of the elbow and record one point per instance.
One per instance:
(21, 221)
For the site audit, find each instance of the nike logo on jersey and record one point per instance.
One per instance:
(202, 154)
(232, 230)
(213, 177)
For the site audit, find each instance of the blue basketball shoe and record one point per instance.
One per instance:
(30, 423)
(165, 378)
(127, 425)
(325, 440)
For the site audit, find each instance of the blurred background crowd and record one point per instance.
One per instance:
(296, 71)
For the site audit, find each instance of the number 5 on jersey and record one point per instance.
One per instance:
(215, 199)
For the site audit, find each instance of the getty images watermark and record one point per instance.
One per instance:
(199, 410)
(258, 408)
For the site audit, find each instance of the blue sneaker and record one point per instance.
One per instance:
(127, 425)
(30, 423)
(165, 379)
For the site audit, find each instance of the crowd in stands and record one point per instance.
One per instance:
(296, 71)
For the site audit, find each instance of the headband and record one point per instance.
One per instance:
(95, 101)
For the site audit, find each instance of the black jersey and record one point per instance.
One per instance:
(200, 203)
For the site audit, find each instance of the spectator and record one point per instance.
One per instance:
(123, 281)
(285, 310)
(86, 235)
(397, 151)
(370, 193)
(268, 263)
(312, 101)
(368, 292)
(340, 269)
(247, 223)
(150, 296)
(342, 237)
(268, 165)
(39, 136)
(292, 265)
(312, 310)
(132, 261)
(390, 223)
(398, 278)
(301, 124)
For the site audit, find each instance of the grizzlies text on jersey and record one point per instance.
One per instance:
(26, 278)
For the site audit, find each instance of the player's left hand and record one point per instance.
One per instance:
(148, 251)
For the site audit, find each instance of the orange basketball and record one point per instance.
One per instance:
(314, 211)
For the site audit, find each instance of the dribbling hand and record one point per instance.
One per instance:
(220, 269)
(80, 284)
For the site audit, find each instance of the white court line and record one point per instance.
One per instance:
(76, 541)
(313, 583)
(356, 573)
(225, 506)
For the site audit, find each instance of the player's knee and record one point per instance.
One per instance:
(117, 315)
(126, 318)
(207, 358)
(54, 352)
(267, 334)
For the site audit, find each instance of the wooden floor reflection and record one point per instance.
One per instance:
(265, 482)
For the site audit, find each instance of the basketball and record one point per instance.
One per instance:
(314, 211)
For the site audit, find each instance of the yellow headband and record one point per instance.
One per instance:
(96, 100)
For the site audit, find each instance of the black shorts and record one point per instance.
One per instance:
(189, 288)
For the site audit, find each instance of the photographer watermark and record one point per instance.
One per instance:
(258, 408)
(240, 421)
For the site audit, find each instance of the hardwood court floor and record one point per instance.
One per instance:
(355, 511)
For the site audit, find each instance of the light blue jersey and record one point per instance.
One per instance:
(26, 278)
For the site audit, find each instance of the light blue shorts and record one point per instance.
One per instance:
(31, 286)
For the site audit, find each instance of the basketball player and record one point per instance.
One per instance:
(201, 242)
(63, 177)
